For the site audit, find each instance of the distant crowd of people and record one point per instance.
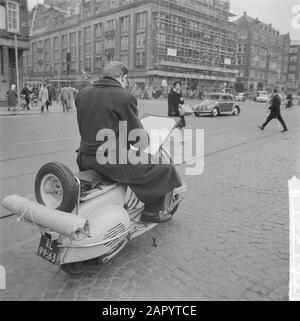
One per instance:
(42, 97)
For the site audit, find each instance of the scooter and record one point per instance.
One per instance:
(84, 216)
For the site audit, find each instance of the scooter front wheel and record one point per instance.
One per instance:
(77, 268)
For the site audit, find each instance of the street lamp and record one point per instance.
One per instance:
(17, 69)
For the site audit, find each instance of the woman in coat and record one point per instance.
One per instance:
(43, 97)
(175, 99)
(12, 97)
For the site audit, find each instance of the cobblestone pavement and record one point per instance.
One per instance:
(228, 241)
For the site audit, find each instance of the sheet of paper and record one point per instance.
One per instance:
(158, 129)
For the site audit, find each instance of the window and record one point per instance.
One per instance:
(253, 74)
(73, 51)
(98, 45)
(13, 19)
(98, 55)
(47, 52)
(109, 43)
(80, 50)
(124, 43)
(124, 21)
(125, 59)
(64, 40)
(110, 25)
(56, 49)
(141, 40)
(140, 59)
(98, 31)
(87, 34)
(293, 59)
(226, 98)
(73, 39)
(141, 20)
(88, 56)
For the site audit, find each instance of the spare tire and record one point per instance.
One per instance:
(56, 187)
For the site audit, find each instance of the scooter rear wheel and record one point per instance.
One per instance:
(56, 187)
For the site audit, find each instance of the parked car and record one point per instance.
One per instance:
(216, 104)
(262, 97)
(241, 97)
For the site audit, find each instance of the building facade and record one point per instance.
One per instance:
(294, 68)
(262, 55)
(160, 41)
(13, 20)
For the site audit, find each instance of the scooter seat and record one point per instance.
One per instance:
(92, 178)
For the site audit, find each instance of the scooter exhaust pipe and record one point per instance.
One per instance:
(64, 223)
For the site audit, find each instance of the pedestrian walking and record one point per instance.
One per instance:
(175, 99)
(26, 92)
(52, 96)
(70, 100)
(12, 97)
(44, 97)
(65, 97)
(275, 111)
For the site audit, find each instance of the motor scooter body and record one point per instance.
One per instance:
(107, 218)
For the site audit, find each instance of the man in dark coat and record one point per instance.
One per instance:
(275, 112)
(175, 99)
(26, 92)
(52, 97)
(104, 106)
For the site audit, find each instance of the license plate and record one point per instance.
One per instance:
(48, 249)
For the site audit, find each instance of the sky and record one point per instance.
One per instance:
(277, 12)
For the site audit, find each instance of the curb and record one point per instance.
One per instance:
(32, 113)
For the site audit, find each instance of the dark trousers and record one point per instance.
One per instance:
(48, 103)
(27, 103)
(271, 116)
(64, 104)
(43, 106)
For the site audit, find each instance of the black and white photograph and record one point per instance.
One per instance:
(149, 152)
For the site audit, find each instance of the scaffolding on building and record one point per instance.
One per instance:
(197, 36)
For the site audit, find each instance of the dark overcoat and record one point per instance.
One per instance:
(174, 100)
(275, 106)
(103, 106)
(12, 98)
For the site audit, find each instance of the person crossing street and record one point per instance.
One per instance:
(275, 112)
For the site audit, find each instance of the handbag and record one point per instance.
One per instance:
(185, 110)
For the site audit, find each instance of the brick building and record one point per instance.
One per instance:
(13, 20)
(294, 68)
(191, 40)
(262, 55)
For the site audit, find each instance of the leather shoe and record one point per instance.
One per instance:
(285, 130)
(155, 217)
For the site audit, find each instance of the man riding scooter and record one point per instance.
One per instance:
(104, 106)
